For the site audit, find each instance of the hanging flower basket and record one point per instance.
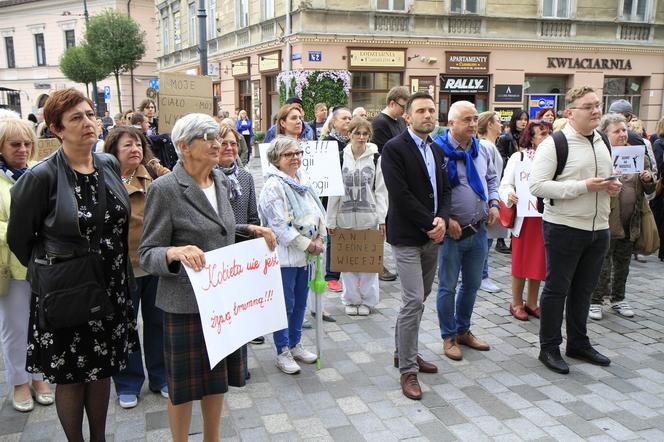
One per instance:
(329, 87)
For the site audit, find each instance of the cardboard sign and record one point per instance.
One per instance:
(628, 159)
(320, 161)
(46, 146)
(527, 205)
(181, 95)
(358, 251)
(239, 296)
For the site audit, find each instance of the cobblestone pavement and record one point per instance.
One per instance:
(502, 394)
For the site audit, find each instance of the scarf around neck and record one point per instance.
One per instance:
(12, 174)
(338, 136)
(231, 174)
(467, 156)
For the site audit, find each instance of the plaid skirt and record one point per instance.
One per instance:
(188, 371)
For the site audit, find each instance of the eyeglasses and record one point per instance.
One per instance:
(226, 144)
(291, 155)
(589, 107)
(361, 134)
(402, 106)
(18, 144)
(211, 137)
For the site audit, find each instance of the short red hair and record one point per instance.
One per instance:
(59, 103)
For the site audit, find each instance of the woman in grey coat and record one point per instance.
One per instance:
(188, 213)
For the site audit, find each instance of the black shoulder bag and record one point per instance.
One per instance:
(72, 290)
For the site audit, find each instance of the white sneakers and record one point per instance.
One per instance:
(489, 286)
(302, 354)
(363, 310)
(286, 363)
(622, 308)
(355, 310)
(351, 310)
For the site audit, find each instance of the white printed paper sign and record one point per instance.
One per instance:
(527, 205)
(628, 159)
(321, 162)
(239, 296)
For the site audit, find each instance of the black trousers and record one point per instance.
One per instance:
(573, 263)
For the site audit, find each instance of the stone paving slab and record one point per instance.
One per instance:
(503, 394)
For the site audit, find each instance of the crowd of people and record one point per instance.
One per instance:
(112, 218)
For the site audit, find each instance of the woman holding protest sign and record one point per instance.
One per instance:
(187, 213)
(624, 224)
(363, 206)
(289, 205)
(528, 260)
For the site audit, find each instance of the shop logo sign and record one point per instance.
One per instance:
(620, 64)
(464, 84)
(509, 93)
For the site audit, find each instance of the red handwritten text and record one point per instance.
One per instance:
(217, 276)
(218, 320)
(271, 261)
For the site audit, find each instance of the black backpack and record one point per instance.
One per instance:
(562, 150)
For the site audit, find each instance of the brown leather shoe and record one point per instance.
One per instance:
(468, 339)
(451, 349)
(424, 366)
(410, 386)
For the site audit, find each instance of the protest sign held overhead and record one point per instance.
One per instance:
(180, 95)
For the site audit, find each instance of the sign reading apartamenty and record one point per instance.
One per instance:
(181, 95)
(467, 62)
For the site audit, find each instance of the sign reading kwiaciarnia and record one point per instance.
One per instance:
(180, 95)
(239, 296)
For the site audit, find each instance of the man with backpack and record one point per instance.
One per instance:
(576, 188)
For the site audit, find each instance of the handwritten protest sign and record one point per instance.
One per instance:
(356, 251)
(46, 146)
(321, 162)
(628, 159)
(527, 205)
(239, 296)
(180, 95)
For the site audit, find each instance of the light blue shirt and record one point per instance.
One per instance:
(424, 146)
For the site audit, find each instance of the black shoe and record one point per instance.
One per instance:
(501, 247)
(258, 340)
(553, 361)
(589, 355)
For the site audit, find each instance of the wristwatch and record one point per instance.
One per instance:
(494, 206)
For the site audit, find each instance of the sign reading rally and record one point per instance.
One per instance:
(464, 84)
(181, 95)
(321, 162)
(239, 296)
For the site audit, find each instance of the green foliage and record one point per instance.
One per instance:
(318, 90)
(259, 136)
(77, 65)
(116, 42)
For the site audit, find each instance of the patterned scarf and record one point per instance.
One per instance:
(467, 156)
(13, 174)
(231, 174)
(343, 138)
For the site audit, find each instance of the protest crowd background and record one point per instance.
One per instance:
(107, 214)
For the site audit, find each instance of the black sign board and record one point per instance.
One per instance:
(464, 84)
(509, 93)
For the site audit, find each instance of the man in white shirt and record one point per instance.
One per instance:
(576, 228)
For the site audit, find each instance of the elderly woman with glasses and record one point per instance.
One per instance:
(289, 205)
(363, 206)
(188, 213)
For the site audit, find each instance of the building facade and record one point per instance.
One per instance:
(35, 33)
(500, 54)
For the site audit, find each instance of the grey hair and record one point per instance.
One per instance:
(453, 113)
(609, 119)
(278, 146)
(336, 113)
(190, 127)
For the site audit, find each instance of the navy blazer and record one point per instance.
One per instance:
(411, 198)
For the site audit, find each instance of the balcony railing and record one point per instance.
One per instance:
(464, 25)
(639, 32)
(555, 29)
(391, 23)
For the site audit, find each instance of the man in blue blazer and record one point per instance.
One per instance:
(419, 198)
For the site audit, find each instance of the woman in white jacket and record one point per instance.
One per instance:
(528, 260)
(363, 206)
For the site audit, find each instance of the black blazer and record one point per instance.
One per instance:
(410, 213)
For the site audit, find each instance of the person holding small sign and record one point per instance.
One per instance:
(290, 206)
(528, 260)
(363, 206)
(188, 213)
(624, 224)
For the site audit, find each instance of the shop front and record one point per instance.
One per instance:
(465, 79)
(241, 71)
(269, 66)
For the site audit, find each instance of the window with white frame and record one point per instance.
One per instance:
(212, 19)
(9, 51)
(242, 13)
(70, 38)
(465, 6)
(556, 8)
(164, 33)
(391, 5)
(636, 10)
(40, 49)
(193, 30)
(268, 9)
(177, 34)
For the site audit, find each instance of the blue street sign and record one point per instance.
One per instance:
(154, 84)
(107, 94)
(315, 56)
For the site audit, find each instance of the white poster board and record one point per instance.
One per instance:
(527, 205)
(321, 162)
(628, 159)
(239, 296)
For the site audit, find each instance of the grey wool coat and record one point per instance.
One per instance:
(177, 213)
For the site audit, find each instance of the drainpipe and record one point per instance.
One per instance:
(131, 71)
